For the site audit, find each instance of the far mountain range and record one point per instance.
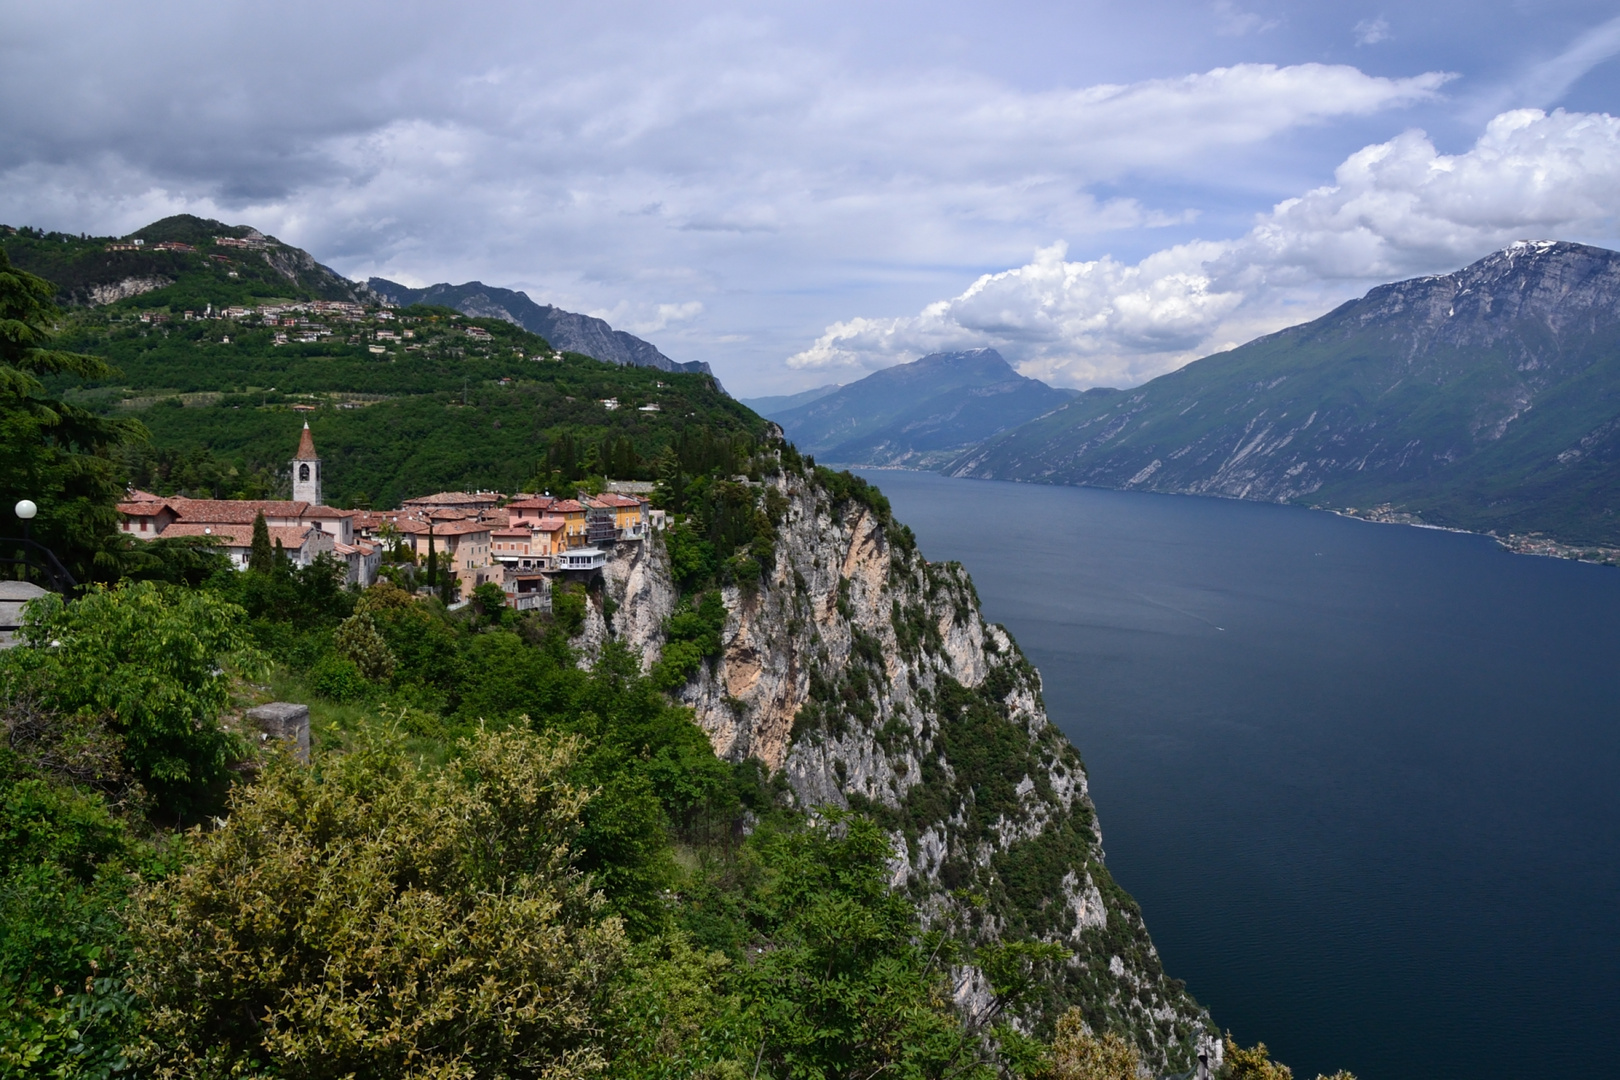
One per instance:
(1486, 399)
(920, 415)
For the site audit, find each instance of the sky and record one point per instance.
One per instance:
(802, 193)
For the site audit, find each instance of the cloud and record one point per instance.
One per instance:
(676, 158)
(1547, 82)
(1372, 31)
(1232, 21)
(1395, 209)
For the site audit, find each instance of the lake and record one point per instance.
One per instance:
(1362, 778)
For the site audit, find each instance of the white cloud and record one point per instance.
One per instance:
(1372, 31)
(1547, 82)
(1395, 209)
(1232, 21)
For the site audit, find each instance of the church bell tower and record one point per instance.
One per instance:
(306, 470)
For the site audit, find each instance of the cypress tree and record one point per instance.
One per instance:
(433, 560)
(261, 556)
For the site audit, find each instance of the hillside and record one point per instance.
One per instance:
(919, 414)
(401, 401)
(1486, 399)
(181, 262)
(566, 329)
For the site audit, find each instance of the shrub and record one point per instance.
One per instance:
(152, 659)
(338, 678)
(357, 640)
(1077, 1054)
(377, 918)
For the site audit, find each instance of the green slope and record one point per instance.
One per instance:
(462, 403)
(1487, 399)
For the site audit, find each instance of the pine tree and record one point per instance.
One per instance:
(261, 556)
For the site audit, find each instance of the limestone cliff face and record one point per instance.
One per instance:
(868, 676)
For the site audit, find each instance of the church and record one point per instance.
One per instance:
(305, 526)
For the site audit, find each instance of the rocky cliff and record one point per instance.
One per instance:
(1486, 399)
(867, 676)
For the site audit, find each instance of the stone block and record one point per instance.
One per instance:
(284, 720)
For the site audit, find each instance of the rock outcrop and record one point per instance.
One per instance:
(868, 676)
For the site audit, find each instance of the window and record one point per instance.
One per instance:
(303, 472)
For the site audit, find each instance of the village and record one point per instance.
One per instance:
(521, 543)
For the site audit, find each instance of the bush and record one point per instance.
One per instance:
(381, 919)
(357, 640)
(153, 660)
(568, 607)
(338, 678)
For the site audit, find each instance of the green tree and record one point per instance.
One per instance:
(153, 660)
(377, 918)
(52, 452)
(358, 641)
(842, 985)
(261, 557)
(432, 562)
(64, 875)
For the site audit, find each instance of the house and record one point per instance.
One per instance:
(529, 508)
(529, 545)
(526, 590)
(574, 520)
(629, 514)
(462, 547)
(582, 560)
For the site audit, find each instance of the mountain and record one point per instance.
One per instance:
(182, 261)
(920, 414)
(565, 330)
(1486, 399)
(768, 407)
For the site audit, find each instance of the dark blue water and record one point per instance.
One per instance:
(1362, 778)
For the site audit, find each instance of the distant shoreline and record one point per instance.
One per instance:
(1517, 543)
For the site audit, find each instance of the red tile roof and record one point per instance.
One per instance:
(291, 536)
(142, 509)
(306, 446)
(232, 511)
(532, 502)
(455, 498)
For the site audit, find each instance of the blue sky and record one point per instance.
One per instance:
(801, 193)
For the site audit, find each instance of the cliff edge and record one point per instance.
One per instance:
(868, 678)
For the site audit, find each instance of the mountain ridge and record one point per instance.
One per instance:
(566, 330)
(1486, 399)
(920, 414)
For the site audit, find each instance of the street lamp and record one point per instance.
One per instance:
(46, 562)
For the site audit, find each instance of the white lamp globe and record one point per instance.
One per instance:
(26, 509)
